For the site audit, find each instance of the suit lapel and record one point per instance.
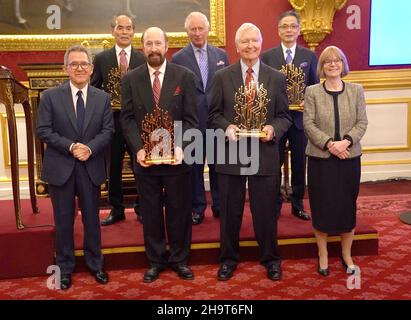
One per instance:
(112, 57)
(280, 55)
(212, 65)
(133, 60)
(237, 77)
(263, 75)
(146, 91)
(168, 87)
(67, 100)
(191, 58)
(90, 107)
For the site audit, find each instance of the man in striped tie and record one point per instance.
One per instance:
(203, 59)
(170, 87)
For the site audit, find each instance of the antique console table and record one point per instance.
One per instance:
(12, 92)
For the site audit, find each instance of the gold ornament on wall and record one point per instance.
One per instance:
(316, 18)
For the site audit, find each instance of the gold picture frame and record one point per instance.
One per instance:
(60, 42)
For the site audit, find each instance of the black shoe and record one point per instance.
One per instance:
(198, 217)
(113, 217)
(152, 274)
(101, 276)
(274, 273)
(225, 272)
(323, 272)
(300, 213)
(65, 281)
(184, 272)
(216, 213)
(347, 269)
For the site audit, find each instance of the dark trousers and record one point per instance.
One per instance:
(117, 152)
(173, 223)
(232, 198)
(297, 142)
(63, 200)
(199, 201)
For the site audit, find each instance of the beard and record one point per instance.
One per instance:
(155, 59)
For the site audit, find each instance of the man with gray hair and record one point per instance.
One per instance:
(75, 121)
(263, 186)
(203, 59)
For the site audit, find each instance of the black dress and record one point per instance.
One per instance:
(333, 186)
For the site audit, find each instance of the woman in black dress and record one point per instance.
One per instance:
(335, 120)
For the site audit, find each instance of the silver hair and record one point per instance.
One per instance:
(77, 48)
(196, 13)
(244, 27)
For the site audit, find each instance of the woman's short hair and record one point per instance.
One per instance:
(329, 53)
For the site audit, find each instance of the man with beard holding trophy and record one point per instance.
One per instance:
(154, 95)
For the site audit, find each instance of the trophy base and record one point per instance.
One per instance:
(296, 107)
(251, 134)
(160, 161)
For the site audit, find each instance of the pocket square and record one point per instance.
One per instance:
(220, 63)
(303, 64)
(177, 91)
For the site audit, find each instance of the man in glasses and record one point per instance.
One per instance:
(124, 57)
(76, 123)
(288, 52)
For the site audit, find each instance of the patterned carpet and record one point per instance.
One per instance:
(386, 276)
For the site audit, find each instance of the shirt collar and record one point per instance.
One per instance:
(162, 69)
(255, 67)
(74, 91)
(204, 47)
(291, 48)
(127, 50)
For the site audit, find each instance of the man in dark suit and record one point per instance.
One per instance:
(124, 57)
(289, 30)
(203, 60)
(170, 87)
(76, 123)
(262, 169)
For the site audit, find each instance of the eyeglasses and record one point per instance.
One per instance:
(289, 27)
(329, 62)
(83, 65)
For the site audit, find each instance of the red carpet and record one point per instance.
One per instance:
(386, 276)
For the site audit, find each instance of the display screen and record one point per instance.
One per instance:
(390, 32)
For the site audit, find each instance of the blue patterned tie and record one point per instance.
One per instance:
(203, 64)
(289, 58)
(80, 112)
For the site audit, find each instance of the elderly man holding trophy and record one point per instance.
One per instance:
(250, 104)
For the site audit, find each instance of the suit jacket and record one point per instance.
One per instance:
(106, 60)
(319, 118)
(56, 126)
(217, 59)
(177, 97)
(304, 58)
(227, 82)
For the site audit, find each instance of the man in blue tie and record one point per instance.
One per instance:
(203, 60)
(288, 52)
(76, 123)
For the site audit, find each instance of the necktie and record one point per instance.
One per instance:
(156, 87)
(80, 110)
(123, 63)
(203, 64)
(248, 79)
(289, 58)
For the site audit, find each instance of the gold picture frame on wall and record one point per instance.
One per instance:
(54, 25)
